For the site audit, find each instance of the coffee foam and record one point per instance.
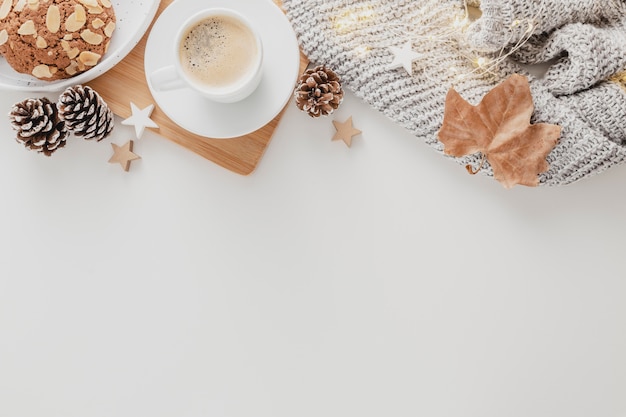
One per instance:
(218, 51)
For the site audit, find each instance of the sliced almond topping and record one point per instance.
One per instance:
(5, 8)
(27, 28)
(73, 53)
(33, 4)
(20, 5)
(4, 36)
(41, 43)
(89, 3)
(65, 45)
(89, 58)
(53, 19)
(72, 69)
(68, 37)
(106, 46)
(72, 24)
(106, 3)
(81, 16)
(91, 37)
(42, 71)
(108, 30)
(97, 23)
(95, 10)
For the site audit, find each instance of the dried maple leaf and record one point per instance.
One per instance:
(499, 128)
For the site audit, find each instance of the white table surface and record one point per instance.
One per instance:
(377, 280)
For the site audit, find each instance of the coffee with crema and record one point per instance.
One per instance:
(219, 51)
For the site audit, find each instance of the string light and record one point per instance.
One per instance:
(481, 62)
(451, 35)
(352, 18)
(460, 22)
(362, 50)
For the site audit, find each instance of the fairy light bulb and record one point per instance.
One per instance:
(350, 19)
(362, 50)
(481, 62)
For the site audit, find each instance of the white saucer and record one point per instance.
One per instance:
(281, 66)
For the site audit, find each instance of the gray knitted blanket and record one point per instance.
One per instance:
(583, 40)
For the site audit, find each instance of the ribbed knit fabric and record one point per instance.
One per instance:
(359, 52)
(603, 108)
(586, 55)
(506, 21)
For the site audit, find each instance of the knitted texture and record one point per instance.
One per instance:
(602, 107)
(358, 49)
(506, 22)
(586, 55)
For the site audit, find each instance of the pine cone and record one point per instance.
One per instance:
(38, 125)
(85, 112)
(319, 92)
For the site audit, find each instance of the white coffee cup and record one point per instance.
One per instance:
(218, 53)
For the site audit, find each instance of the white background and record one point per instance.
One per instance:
(377, 280)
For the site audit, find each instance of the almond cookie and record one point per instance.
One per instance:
(55, 39)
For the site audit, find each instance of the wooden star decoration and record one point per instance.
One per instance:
(345, 131)
(403, 57)
(140, 119)
(123, 155)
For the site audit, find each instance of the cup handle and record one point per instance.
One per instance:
(166, 79)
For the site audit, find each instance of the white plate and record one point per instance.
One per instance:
(133, 19)
(198, 115)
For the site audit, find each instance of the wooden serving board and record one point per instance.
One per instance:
(126, 81)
